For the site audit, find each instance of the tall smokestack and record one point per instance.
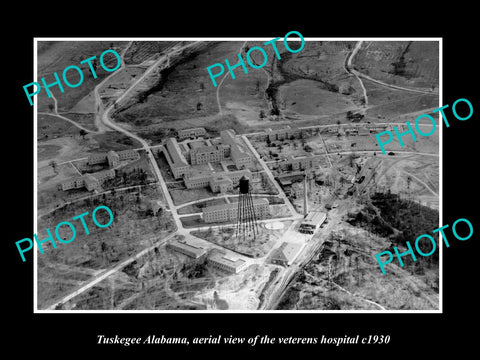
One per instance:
(305, 198)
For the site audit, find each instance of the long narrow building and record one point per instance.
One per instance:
(176, 160)
(228, 212)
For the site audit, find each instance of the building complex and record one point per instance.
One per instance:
(95, 180)
(90, 181)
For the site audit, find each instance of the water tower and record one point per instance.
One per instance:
(246, 228)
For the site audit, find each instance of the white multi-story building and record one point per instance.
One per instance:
(287, 253)
(283, 133)
(312, 222)
(187, 248)
(176, 160)
(89, 181)
(189, 133)
(218, 181)
(229, 264)
(228, 212)
(239, 156)
(113, 158)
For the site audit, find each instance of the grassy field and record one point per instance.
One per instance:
(412, 64)
(197, 207)
(51, 127)
(184, 196)
(144, 50)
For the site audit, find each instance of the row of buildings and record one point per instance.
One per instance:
(95, 180)
(364, 129)
(218, 259)
(113, 158)
(89, 181)
(191, 133)
(284, 255)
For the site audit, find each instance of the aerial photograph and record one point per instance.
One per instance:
(240, 176)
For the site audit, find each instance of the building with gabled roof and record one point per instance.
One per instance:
(176, 160)
(287, 253)
(187, 248)
(227, 263)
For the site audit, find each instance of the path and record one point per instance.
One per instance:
(357, 296)
(349, 69)
(358, 74)
(221, 82)
(421, 182)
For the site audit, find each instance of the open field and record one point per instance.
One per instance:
(184, 196)
(141, 51)
(412, 64)
(51, 127)
(61, 141)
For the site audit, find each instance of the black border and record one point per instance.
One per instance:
(60, 334)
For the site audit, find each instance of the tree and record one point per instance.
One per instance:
(83, 133)
(53, 164)
(199, 106)
(262, 114)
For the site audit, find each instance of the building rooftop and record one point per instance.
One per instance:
(175, 153)
(204, 149)
(221, 179)
(233, 205)
(222, 258)
(186, 245)
(288, 252)
(192, 129)
(314, 218)
(196, 144)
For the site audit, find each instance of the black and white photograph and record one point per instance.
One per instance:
(237, 186)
